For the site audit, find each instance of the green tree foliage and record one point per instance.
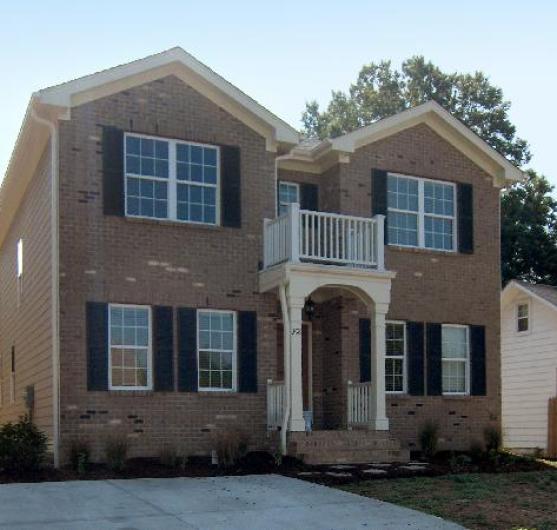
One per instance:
(529, 231)
(381, 91)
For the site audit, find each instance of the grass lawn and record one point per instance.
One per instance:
(502, 501)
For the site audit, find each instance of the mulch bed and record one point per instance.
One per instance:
(263, 463)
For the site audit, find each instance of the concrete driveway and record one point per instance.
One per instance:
(264, 502)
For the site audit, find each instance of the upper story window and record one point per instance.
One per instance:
(455, 354)
(171, 179)
(289, 192)
(395, 353)
(421, 213)
(19, 258)
(522, 318)
(216, 350)
(130, 347)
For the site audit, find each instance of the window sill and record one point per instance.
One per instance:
(171, 222)
(421, 250)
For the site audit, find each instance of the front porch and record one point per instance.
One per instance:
(321, 258)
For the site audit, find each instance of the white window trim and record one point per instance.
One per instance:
(529, 317)
(149, 385)
(172, 180)
(288, 183)
(234, 353)
(421, 213)
(404, 358)
(460, 360)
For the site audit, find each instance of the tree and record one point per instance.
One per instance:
(381, 91)
(529, 231)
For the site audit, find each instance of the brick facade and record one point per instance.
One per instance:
(115, 259)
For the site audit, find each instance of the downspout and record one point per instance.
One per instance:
(55, 270)
(286, 331)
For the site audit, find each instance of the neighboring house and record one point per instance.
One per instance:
(176, 263)
(528, 363)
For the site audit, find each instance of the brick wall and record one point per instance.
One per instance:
(112, 259)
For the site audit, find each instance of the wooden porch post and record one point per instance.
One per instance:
(379, 411)
(296, 307)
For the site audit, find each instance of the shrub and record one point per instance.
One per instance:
(22, 446)
(429, 438)
(231, 446)
(169, 457)
(476, 450)
(116, 452)
(460, 463)
(492, 437)
(80, 456)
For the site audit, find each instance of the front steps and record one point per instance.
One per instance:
(346, 447)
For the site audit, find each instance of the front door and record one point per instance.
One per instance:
(307, 379)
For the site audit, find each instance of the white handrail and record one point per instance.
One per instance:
(359, 404)
(322, 237)
(275, 404)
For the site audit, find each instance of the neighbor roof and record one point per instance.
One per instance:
(547, 294)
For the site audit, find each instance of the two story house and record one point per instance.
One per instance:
(177, 262)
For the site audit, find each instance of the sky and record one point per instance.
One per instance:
(286, 53)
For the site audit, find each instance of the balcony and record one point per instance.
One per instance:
(324, 238)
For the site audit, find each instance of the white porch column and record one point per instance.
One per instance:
(296, 307)
(380, 421)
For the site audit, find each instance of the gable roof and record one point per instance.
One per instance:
(437, 118)
(546, 294)
(175, 61)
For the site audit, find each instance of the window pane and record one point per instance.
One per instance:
(129, 339)
(454, 342)
(402, 193)
(438, 233)
(439, 198)
(216, 349)
(454, 376)
(288, 194)
(403, 228)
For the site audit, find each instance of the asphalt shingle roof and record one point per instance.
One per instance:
(547, 292)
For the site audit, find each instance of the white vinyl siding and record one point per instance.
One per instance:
(528, 374)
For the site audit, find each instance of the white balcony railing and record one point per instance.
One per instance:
(275, 404)
(321, 237)
(359, 404)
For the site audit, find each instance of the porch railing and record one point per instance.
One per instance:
(275, 404)
(359, 404)
(322, 237)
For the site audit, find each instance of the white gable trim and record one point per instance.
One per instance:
(175, 61)
(447, 126)
(515, 288)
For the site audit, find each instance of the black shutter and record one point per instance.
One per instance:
(231, 193)
(97, 345)
(187, 349)
(465, 219)
(309, 197)
(415, 345)
(434, 364)
(477, 361)
(113, 171)
(365, 350)
(163, 349)
(379, 195)
(247, 351)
